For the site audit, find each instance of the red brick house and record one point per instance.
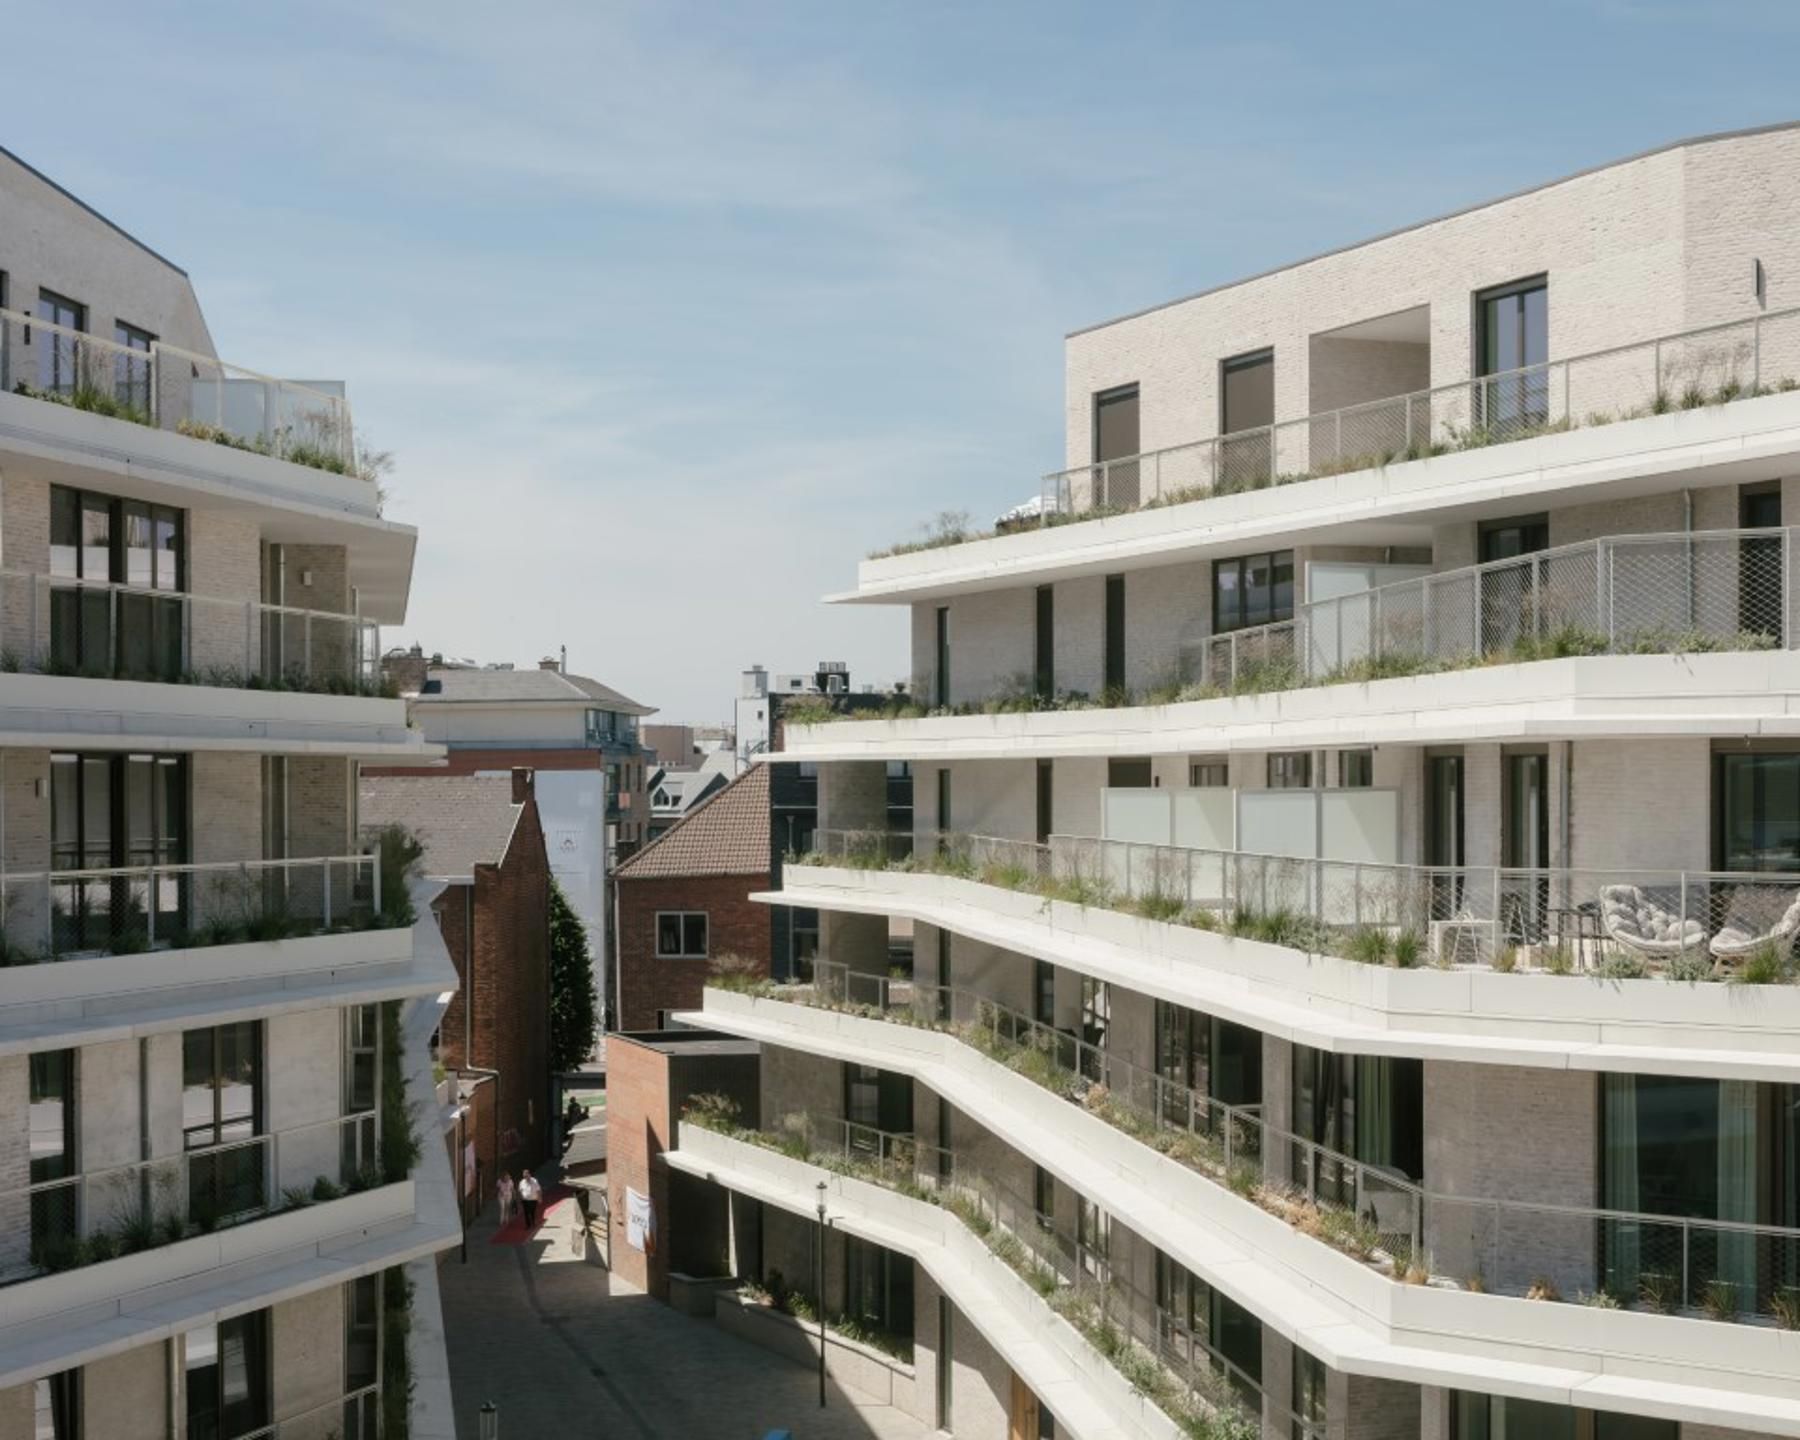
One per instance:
(684, 903)
(482, 837)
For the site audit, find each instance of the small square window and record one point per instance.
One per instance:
(681, 935)
(1356, 769)
(1290, 770)
(1209, 774)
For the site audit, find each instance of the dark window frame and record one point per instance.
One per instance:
(684, 933)
(1278, 776)
(1226, 619)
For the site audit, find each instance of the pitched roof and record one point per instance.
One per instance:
(462, 820)
(728, 834)
(526, 686)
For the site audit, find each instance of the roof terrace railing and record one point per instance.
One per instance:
(1713, 364)
(1653, 594)
(1685, 925)
(154, 383)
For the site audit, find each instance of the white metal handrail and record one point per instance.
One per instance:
(154, 1196)
(180, 636)
(171, 388)
(79, 912)
(1713, 363)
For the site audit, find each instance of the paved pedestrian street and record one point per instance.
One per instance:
(565, 1351)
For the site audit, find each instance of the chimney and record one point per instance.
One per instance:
(549, 663)
(522, 783)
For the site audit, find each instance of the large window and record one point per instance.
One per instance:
(1496, 1417)
(1309, 1396)
(874, 1100)
(1512, 344)
(54, 1217)
(1368, 1107)
(1218, 1059)
(1207, 1329)
(1757, 800)
(681, 935)
(60, 356)
(362, 1352)
(131, 371)
(1113, 640)
(58, 1406)
(1706, 1149)
(878, 1288)
(227, 1379)
(1253, 590)
(97, 541)
(118, 812)
(221, 1116)
(362, 1069)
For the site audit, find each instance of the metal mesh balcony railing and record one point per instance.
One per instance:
(1089, 1283)
(1709, 366)
(63, 626)
(63, 1222)
(1725, 1269)
(1625, 594)
(71, 914)
(1620, 923)
(161, 385)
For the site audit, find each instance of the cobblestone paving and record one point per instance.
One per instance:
(548, 1340)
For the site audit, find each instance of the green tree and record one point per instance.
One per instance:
(574, 1009)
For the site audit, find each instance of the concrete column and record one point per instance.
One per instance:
(127, 1395)
(307, 1369)
(1277, 1381)
(1359, 1407)
(859, 941)
(1278, 1114)
(1434, 1413)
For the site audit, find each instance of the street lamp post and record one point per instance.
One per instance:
(490, 1421)
(821, 1294)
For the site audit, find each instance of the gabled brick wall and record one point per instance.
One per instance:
(735, 926)
(505, 1010)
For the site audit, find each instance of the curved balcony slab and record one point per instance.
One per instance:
(1573, 1022)
(1090, 1399)
(63, 712)
(1348, 1315)
(118, 997)
(1746, 695)
(295, 504)
(1745, 441)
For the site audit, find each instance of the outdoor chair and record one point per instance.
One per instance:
(1757, 917)
(1641, 921)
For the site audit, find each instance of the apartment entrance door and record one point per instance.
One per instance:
(1509, 592)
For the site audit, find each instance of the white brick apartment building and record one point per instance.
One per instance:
(214, 1008)
(1356, 864)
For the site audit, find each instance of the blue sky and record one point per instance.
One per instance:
(670, 312)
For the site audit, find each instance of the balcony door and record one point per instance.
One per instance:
(221, 1118)
(98, 543)
(60, 355)
(1509, 592)
(1512, 348)
(1760, 592)
(1525, 844)
(1116, 445)
(119, 813)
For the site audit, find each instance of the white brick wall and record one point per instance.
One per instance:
(1642, 803)
(1509, 1133)
(1641, 249)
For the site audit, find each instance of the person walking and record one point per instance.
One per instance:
(530, 1193)
(505, 1191)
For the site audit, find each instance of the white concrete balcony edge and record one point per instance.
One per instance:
(118, 997)
(1347, 1314)
(1089, 1398)
(1745, 440)
(1476, 1016)
(304, 505)
(51, 711)
(77, 1316)
(1748, 694)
